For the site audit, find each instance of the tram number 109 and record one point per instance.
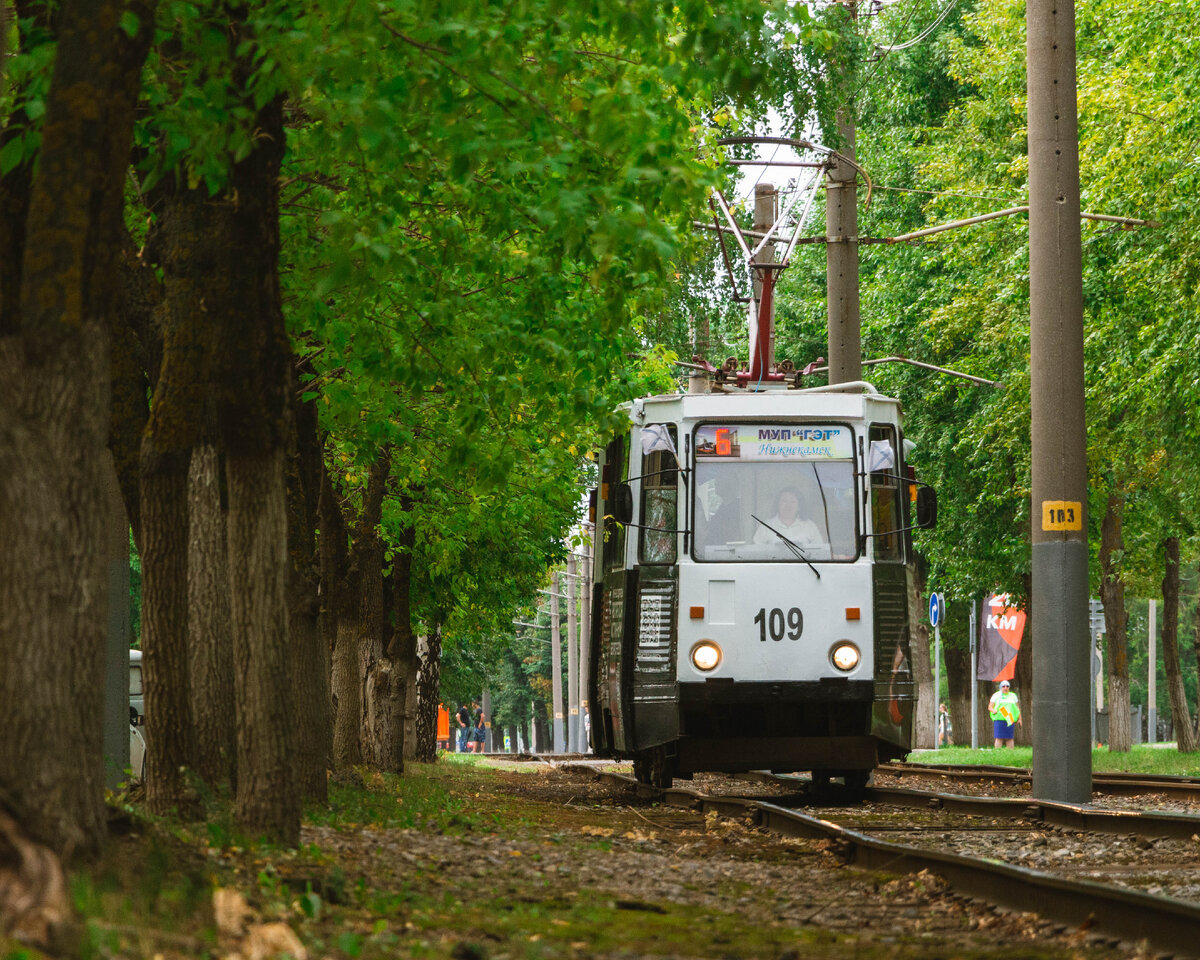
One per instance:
(777, 623)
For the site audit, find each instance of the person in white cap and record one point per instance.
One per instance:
(1005, 712)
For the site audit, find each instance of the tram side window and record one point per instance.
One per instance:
(887, 515)
(614, 533)
(660, 496)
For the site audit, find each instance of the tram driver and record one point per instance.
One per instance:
(788, 522)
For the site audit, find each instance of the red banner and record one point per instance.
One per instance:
(1003, 627)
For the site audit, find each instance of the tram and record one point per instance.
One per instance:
(752, 588)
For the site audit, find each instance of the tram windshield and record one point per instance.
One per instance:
(774, 492)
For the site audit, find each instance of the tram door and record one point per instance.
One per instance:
(609, 620)
(891, 575)
(634, 627)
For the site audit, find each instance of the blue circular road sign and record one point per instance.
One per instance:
(935, 609)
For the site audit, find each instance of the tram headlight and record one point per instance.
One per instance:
(706, 655)
(844, 656)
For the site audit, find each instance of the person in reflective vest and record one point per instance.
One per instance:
(1006, 714)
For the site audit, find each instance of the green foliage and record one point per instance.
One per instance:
(945, 123)
(481, 206)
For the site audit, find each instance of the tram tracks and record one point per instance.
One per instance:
(1183, 789)
(1073, 866)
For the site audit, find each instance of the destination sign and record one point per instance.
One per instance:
(773, 441)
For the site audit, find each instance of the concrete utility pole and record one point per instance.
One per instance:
(1062, 757)
(572, 657)
(559, 744)
(762, 306)
(974, 683)
(1152, 691)
(841, 251)
(585, 640)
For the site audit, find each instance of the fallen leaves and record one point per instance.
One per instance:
(34, 905)
(250, 940)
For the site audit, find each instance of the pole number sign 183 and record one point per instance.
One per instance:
(1062, 515)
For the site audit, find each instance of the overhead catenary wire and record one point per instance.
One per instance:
(862, 83)
(893, 47)
(948, 193)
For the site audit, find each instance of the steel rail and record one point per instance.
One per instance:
(1069, 816)
(1175, 826)
(998, 768)
(1164, 922)
(1110, 784)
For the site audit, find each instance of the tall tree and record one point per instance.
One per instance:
(1181, 719)
(62, 224)
(253, 403)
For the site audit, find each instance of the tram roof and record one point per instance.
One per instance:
(767, 405)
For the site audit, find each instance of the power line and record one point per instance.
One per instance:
(879, 60)
(890, 48)
(948, 193)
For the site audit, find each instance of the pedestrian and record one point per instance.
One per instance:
(478, 736)
(463, 718)
(945, 729)
(1006, 714)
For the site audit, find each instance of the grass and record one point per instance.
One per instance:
(1141, 759)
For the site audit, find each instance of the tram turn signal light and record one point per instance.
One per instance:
(696, 613)
(706, 655)
(853, 613)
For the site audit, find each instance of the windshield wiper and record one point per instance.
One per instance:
(791, 545)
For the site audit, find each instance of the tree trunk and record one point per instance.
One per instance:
(375, 719)
(253, 404)
(383, 724)
(194, 236)
(958, 681)
(308, 660)
(268, 802)
(170, 740)
(1196, 654)
(382, 717)
(402, 647)
(429, 652)
(54, 421)
(135, 337)
(1181, 719)
(210, 636)
(309, 675)
(1116, 621)
(347, 696)
(339, 628)
(353, 579)
(924, 723)
(1023, 680)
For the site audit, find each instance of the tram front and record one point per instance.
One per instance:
(754, 611)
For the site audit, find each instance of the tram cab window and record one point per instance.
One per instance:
(614, 472)
(887, 515)
(660, 496)
(774, 492)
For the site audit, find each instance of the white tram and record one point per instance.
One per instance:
(752, 584)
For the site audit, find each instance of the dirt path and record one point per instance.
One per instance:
(558, 864)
